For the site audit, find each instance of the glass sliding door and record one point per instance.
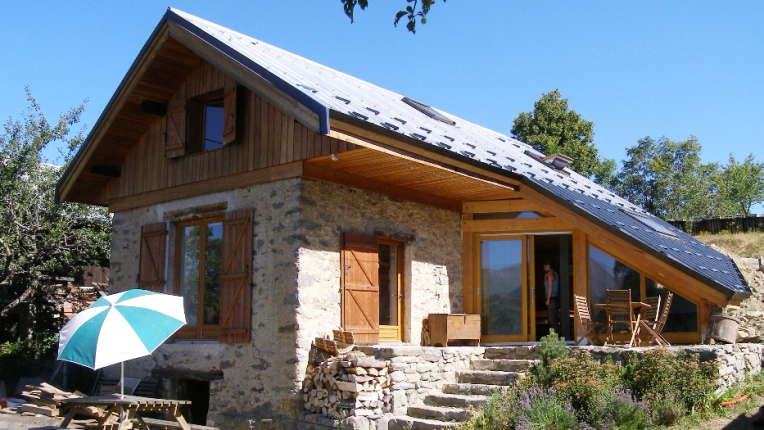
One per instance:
(502, 288)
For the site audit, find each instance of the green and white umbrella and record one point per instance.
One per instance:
(120, 327)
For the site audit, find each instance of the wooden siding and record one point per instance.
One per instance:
(266, 137)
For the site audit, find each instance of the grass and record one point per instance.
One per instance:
(749, 245)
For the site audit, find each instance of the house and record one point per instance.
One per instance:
(282, 199)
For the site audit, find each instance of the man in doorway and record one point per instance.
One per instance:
(552, 290)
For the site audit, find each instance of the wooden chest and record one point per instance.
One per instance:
(445, 328)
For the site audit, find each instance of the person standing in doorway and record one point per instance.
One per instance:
(552, 290)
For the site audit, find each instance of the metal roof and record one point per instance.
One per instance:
(329, 89)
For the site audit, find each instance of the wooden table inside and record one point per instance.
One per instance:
(637, 306)
(131, 407)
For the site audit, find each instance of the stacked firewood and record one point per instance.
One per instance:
(45, 399)
(350, 385)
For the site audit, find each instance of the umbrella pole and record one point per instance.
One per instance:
(122, 382)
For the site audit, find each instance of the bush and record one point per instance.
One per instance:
(659, 377)
(552, 347)
(539, 408)
(495, 414)
(617, 409)
(32, 357)
(583, 380)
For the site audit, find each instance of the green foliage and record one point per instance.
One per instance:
(495, 414)
(538, 408)
(552, 347)
(28, 357)
(660, 377)
(411, 12)
(552, 127)
(39, 239)
(740, 186)
(584, 382)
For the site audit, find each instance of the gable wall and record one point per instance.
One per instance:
(266, 137)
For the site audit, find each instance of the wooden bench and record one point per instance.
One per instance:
(166, 425)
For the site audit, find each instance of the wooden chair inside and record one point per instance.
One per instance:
(654, 328)
(591, 330)
(620, 316)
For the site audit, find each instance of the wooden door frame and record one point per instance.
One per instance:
(385, 330)
(477, 273)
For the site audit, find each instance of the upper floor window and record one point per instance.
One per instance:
(213, 125)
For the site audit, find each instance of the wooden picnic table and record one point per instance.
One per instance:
(128, 407)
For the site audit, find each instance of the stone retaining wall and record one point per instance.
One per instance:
(735, 361)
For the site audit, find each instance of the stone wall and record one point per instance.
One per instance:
(735, 361)
(296, 279)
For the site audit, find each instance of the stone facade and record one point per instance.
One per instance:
(296, 279)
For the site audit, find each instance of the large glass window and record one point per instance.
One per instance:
(198, 276)
(607, 273)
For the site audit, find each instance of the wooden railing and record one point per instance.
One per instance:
(717, 225)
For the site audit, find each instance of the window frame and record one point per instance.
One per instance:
(197, 121)
(199, 331)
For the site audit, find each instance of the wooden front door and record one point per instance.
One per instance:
(360, 286)
(502, 287)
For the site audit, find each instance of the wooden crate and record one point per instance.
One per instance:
(445, 328)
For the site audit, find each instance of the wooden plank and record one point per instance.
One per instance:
(515, 205)
(244, 76)
(285, 142)
(290, 139)
(468, 274)
(241, 180)
(362, 183)
(516, 225)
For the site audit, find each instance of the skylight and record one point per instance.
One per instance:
(655, 225)
(427, 110)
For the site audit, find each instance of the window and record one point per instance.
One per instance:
(202, 123)
(605, 272)
(212, 263)
(199, 265)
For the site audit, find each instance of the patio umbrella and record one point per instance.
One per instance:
(120, 327)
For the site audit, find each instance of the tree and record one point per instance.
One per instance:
(740, 186)
(41, 241)
(666, 178)
(411, 13)
(553, 127)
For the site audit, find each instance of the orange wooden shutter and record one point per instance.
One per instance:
(175, 140)
(152, 275)
(236, 279)
(360, 287)
(229, 111)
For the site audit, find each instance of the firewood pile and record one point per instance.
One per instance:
(347, 385)
(45, 399)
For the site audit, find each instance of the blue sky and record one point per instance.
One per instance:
(635, 69)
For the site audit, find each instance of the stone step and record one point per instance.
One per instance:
(472, 389)
(506, 365)
(438, 413)
(521, 352)
(454, 400)
(411, 423)
(488, 377)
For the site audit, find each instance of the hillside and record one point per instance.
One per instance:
(737, 246)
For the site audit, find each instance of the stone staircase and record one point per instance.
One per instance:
(498, 370)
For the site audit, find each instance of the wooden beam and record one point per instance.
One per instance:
(523, 225)
(416, 158)
(390, 143)
(492, 206)
(341, 177)
(640, 260)
(468, 274)
(246, 77)
(580, 270)
(117, 102)
(200, 188)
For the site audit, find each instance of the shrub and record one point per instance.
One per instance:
(659, 377)
(495, 414)
(28, 357)
(583, 380)
(617, 409)
(539, 408)
(552, 347)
